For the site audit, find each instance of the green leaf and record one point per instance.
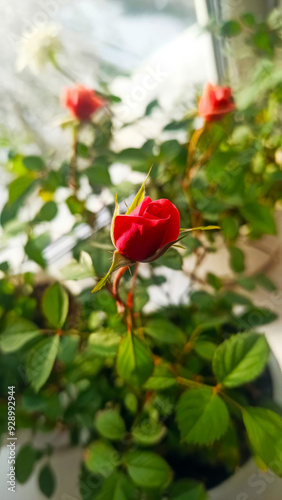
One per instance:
(202, 416)
(55, 305)
(187, 489)
(255, 317)
(47, 212)
(164, 331)
(110, 424)
(41, 360)
(34, 248)
(119, 261)
(33, 163)
(104, 343)
(98, 175)
(205, 349)
(214, 281)
(260, 217)
(134, 157)
(264, 429)
(25, 461)
(162, 378)
(230, 29)
(149, 432)
(101, 458)
(177, 125)
(171, 259)
(229, 228)
(140, 195)
(152, 105)
(240, 359)
(75, 206)
(134, 361)
(47, 481)
(147, 469)
(17, 334)
(18, 187)
(116, 487)
(89, 484)
(237, 259)
(248, 19)
(79, 270)
(265, 282)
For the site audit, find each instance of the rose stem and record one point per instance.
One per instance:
(73, 160)
(114, 291)
(129, 302)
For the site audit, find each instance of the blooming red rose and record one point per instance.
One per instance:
(81, 101)
(215, 102)
(148, 228)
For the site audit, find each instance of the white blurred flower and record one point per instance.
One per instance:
(38, 47)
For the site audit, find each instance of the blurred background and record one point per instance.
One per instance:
(151, 58)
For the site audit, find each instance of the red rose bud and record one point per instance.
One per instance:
(215, 102)
(81, 102)
(148, 228)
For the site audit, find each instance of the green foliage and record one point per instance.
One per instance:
(25, 461)
(104, 343)
(34, 248)
(164, 331)
(202, 416)
(161, 378)
(237, 259)
(47, 481)
(68, 355)
(147, 469)
(33, 163)
(79, 270)
(47, 212)
(240, 359)
(41, 360)
(149, 432)
(230, 29)
(134, 361)
(264, 429)
(116, 487)
(110, 424)
(187, 490)
(101, 458)
(55, 305)
(260, 217)
(17, 334)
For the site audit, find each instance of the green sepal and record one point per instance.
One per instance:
(119, 261)
(140, 195)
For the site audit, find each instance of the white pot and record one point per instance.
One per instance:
(65, 462)
(250, 483)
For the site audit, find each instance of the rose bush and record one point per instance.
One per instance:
(148, 228)
(168, 400)
(81, 102)
(215, 102)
